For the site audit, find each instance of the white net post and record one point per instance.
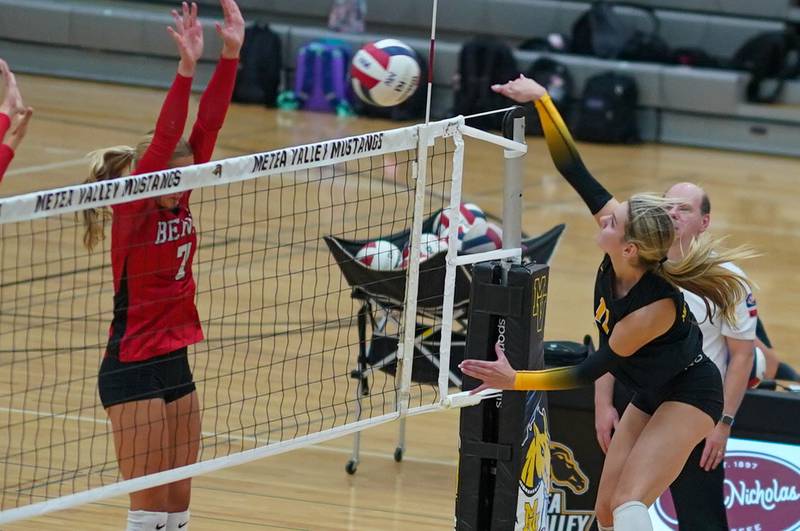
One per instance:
(405, 349)
(513, 177)
(450, 275)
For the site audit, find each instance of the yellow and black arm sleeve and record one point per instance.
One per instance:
(562, 378)
(566, 158)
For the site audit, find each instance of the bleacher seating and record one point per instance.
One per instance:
(124, 41)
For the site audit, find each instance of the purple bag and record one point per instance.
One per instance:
(321, 77)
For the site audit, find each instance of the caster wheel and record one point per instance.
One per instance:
(351, 467)
(398, 454)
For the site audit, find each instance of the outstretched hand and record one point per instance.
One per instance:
(188, 37)
(12, 99)
(19, 127)
(231, 30)
(494, 374)
(522, 89)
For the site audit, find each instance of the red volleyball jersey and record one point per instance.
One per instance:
(153, 248)
(152, 253)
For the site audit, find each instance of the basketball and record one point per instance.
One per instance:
(380, 254)
(483, 236)
(385, 73)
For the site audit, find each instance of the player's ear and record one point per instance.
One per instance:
(630, 251)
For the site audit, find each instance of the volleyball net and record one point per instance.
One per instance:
(279, 288)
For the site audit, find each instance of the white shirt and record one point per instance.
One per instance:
(714, 344)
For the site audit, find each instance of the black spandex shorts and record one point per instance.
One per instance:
(167, 377)
(699, 385)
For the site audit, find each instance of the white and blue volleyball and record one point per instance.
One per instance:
(385, 73)
(483, 236)
(471, 214)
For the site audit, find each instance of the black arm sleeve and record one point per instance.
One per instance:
(566, 158)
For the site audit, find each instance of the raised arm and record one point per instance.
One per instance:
(19, 128)
(217, 96)
(561, 145)
(14, 116)
(188, 37)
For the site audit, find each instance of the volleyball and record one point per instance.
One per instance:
(483, 236)
(471, 214)
(385, 73)
(759, 368)
(380, 254)
(429, 245)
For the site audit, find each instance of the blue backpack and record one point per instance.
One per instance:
(321, 79)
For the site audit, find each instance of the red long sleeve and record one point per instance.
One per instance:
(6, 154)
(169, 127)
(5, 123)
(212, 110)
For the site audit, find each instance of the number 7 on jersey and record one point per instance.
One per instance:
(183, 255)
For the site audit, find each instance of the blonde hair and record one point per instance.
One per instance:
(700, 271)
(111, 163)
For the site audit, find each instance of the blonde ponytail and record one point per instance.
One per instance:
(105, 164)
(700, 271)
(111, 163)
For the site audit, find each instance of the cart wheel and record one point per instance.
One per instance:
(398, 454)
(351, 467)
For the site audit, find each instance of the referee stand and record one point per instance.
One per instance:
(504, 451)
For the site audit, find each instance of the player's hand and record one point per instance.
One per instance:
(605, 423)
(12, 99)
(522, 89)
(188, 37)
(231, 31)
(495, 374)
(714, 450)
(19, 127)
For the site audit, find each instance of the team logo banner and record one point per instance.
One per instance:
(762, 489)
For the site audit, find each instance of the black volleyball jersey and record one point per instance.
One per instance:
(656, 363)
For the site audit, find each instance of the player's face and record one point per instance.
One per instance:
(170, 201)
(611, 237)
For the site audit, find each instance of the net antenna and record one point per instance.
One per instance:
(431, 55)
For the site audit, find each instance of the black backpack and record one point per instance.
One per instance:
(603, 33)
(554, 77)
(773, 54)
(607, 110)
(482, 62)
(259, 66)
(411, 109)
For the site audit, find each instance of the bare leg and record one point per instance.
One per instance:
(660, 452)
(183, 417)
(630, 426)
(140, 438)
